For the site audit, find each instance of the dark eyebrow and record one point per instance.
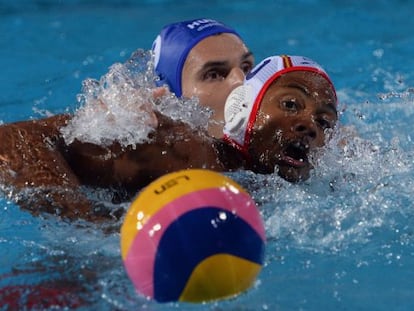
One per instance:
(213, 64)
(325, 108)
(299, 87)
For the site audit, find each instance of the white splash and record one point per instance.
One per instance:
(360, 188)
(120, 106)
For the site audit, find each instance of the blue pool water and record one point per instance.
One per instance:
(344, 240)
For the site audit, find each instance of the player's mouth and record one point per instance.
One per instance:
(295, 154)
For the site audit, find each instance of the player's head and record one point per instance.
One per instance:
(281, 114)
(202, 58)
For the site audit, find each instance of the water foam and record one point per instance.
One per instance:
(359, 189)
(120, 106)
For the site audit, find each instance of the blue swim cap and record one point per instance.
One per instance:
(172, 45)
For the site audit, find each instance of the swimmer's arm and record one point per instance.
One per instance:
(32, 167)
(172, 149)
(172, 146)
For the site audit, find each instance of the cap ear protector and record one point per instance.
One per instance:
(174, 43)
(243, 103)
(237, 111)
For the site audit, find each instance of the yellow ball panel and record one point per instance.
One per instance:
(220, 276)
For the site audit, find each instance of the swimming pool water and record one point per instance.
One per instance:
(341, 241)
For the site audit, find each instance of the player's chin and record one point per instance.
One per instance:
(294, 174)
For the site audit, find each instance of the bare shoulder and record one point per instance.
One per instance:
(31, 158)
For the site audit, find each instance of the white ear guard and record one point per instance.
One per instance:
(237, 111)
(244, 101)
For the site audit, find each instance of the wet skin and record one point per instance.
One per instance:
(293, 121)
(214, 67)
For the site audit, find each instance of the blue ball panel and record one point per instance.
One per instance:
(195, 236)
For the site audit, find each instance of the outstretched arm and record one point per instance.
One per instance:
(34, 170)
(172, 146)
(45, 174)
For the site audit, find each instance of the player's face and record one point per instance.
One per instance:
(294, 119)
(213, 68)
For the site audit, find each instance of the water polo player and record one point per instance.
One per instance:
(281, 115)
(34, 156)
(202, 58)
